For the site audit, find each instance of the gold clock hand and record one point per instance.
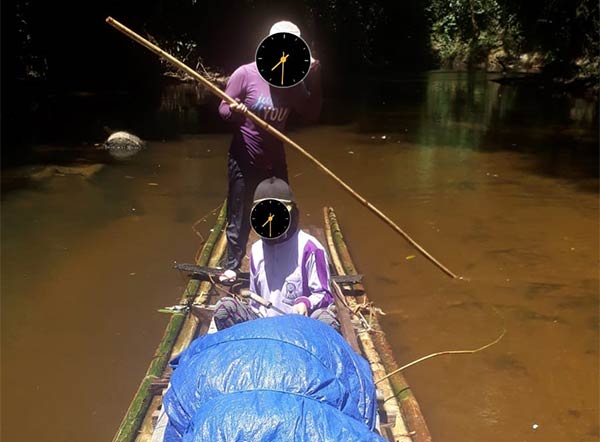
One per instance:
(282, 69)
(283, 59)
(269, 219)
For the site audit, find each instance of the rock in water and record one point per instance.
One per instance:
(123, 145)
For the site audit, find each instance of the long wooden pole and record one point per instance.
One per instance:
(267, 127)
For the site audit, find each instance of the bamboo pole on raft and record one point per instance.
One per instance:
(376, 345)
(267, 127)
(134, 416)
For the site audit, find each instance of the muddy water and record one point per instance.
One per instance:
(499, 184)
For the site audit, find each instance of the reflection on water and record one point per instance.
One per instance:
(461, 110)
(468, 112)
(499, 184)
(183, 107)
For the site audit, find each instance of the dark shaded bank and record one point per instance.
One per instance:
(61, 60)
(66, 75)
(566, 83)
(76, 122)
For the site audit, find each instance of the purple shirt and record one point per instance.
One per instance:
(252, 145)
(290, 272)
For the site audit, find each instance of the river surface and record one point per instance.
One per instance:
(498, 183)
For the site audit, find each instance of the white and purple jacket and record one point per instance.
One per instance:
(290, 272)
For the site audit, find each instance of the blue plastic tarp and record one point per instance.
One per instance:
(287, 378)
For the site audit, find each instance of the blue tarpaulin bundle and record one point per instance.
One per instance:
(287, 378)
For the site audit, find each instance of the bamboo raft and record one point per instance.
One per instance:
(400, 418)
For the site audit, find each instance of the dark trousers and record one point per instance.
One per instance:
(242, 184)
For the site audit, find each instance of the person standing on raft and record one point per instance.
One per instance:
(254, 154)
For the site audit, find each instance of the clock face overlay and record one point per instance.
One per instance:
(270, 218)
(283, 59)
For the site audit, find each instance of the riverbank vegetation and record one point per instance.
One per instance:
(556, 41)
(557, 38)
(60, 58)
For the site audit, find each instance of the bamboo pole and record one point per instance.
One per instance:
(188, 332)
(147, 426)
(139, 405)
(376, 344)
(391, 407)
(267, 127)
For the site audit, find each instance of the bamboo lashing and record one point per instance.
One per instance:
(267, 127)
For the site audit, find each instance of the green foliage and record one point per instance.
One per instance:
(588, 17)
(465, 32)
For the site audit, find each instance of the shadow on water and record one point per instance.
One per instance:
(186, 108)
(54, 130)
(63, 126)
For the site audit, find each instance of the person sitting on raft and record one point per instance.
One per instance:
(289, 271)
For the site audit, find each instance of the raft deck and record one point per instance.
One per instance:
(400, 418)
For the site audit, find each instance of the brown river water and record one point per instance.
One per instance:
(500, 185)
